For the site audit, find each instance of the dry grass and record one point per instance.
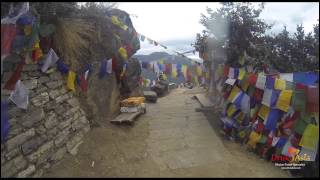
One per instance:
(72, 40)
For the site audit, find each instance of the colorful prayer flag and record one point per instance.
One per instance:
(261, 81)
(310, 137)
(20, 95)
(71, 80)
(280, 84)
(284, 100)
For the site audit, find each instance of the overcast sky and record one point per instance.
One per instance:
(176, 24)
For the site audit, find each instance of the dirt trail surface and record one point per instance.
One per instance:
(170, 140)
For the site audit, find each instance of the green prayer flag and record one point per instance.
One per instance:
(289, 85)
(301, 124)
(299, 100)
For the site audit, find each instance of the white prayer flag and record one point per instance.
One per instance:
(245, 104)
(266, 100)
(230, 81)
(287, 76)
(20, 95)
(231, 72)
(261, 81)
(109, 66)
(50, 60)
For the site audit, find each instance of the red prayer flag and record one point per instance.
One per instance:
(11, 83)
(312, 99)
(252, 79)
(83, 83)
(226, 71)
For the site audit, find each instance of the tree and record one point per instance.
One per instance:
(233, 28)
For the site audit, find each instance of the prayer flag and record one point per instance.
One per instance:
(50, 60)
(231, 73)
(103, 68)
(20, 95)
(299, 100)
(109, 66)
(312, 99)
(280, 84)
(310, 137)
(242, 73)
(70, 81)
(271, 121)
(287, 76)
(252, 79)
(11, 83)
(234, 93)
(307, 78)
(261, 81)
(264, 112)
(63, 68)
(270, 82)
(4, 121)
(253, 139)
(123, 53)
(284, 100)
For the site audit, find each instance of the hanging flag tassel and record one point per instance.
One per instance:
(83, 83)
(123, 71)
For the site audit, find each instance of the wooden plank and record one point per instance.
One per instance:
(126, 117)
(203, 100)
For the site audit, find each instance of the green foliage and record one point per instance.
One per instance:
(236, 30)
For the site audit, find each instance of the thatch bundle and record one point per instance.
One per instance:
(72, 40)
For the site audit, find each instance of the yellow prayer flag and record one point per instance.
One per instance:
(235, 90)
(70, 81)
(231, 110)
(245, 85)
(264, 112)
(280, 84)
(284, 100)
(27, 30)
(240, 117)
(196, 80)
(310, 137)
(242, 72)
(123, 53)
(184, 70)
(161, 61)
(116, 21)
(253, 139)
(199, 71)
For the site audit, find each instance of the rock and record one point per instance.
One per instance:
(60, 110)
(31, 84)
(15, 112)
(79, 123)
(40, 89)
(41, 129)
(74, 143)
(70, 112)
(27, 172)
(65, 123)
(6, 76)
(33, 117)
(30, 67)
(38, 173)
(56, 76)
(74, 102)
(43, 79)
(62, 98)
(61, 137)
(58, 155)
(54, 93)
(12, 167)
(19, 139)
(5, 92)
(51, 105)
(40, 99)
(51, 120)
(15, 131)
(52, 133)
(42, 151)
(24, 77)
(32, 144)
(34, 74)
(54, 84)
(73, 151)
(12, 153)
(86, 128)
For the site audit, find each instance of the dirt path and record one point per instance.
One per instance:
(170, 140)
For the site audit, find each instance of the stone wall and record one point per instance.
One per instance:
(52, 126)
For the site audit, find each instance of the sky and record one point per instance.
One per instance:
(175, 25)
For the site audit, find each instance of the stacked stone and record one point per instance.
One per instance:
(53, 125)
